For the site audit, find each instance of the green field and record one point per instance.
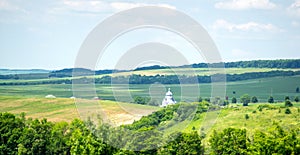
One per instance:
(278, 87)
(234, 116)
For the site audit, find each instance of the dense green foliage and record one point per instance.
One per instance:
(265, 64)
(256, 64)
(229, 141)
(27, 136)
(145, 101)
(275, 141)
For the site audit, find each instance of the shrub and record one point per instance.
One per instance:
(288, 103)
(288, 111)
(233, 100)
(254, 99)
(247, 116)
(296, 99)
(286, 98)
(271, 99)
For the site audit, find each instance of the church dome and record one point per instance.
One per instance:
(169, 93)
(168, 100)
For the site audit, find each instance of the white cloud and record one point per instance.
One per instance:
(86, 6)
(250, 26)
(294, 9)
(245, 4)
(93, 6)
(119, 6)
(5, 5)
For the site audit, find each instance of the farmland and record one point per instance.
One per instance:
(64, 109)
(114, 104)
(278, 87)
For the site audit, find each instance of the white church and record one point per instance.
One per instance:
(168, 100)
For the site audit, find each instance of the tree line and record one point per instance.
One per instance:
(163, 79)
(282, 63)
(288, 63)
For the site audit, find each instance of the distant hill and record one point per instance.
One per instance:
(70, 72)
(22, 71)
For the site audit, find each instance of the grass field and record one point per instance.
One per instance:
(64, 109)
(234, 116)
(278, 87)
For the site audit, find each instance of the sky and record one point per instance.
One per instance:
(48, 34)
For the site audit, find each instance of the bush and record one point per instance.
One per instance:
(296, 99)
(286, 98)
(247, 116)
(288, 103)
(254, 99)
(288, 111)
(271, 99)
(233, 100)
(200, 99)
(141, 100)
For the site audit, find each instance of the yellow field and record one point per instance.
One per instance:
(64, 109)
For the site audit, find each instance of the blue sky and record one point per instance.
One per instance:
(47, 34)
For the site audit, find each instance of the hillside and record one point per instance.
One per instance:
(22, 71)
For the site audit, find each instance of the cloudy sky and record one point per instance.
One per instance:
(48, 34)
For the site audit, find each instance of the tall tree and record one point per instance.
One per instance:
(245, 99)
